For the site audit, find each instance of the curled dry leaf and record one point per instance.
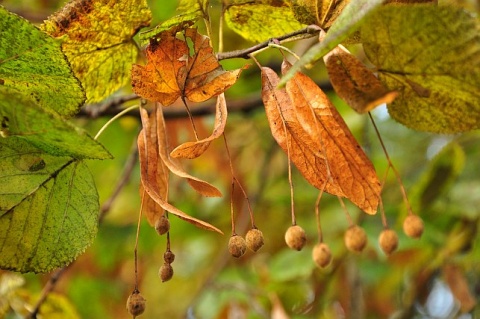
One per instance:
(195, 149)
(322, 13)
(152, 191)
(175, 69)
(354, 83)
(157, 174)
(320, 143)
(172, 164)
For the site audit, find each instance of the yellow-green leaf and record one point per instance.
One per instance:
(52, 217)
(431, 56)
(32, 63)
(22, 119)
(346, 23)
(97, 40)
(259, 22)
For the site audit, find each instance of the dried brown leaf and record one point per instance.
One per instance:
(173, 164)
(347, 165)
(285, 128)
(195, 149)
(354, 83)
(175, 70)
(157, 173)
(152, 192)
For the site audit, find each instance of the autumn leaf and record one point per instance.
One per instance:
(173, 164)
(195, 149)
(32, 63)
(97, 40)
(173, 70)
(146, 177)
(259, 21)
(321, 13)
(354, 82)
(347, 22)
(322, 147)
(157, 172)
(434, 64)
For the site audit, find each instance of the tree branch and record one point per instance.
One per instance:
(305, 33)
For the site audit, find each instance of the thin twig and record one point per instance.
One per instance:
(47, 289)
(308, 32)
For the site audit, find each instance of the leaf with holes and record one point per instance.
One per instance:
(175, 69)
(97, 38)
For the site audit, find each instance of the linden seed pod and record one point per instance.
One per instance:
(295, 237)
(355, 238)
(254, 239)
(136, 304)
(413, 226)
(388, 241)
(162, 225)
(321, 255)
(166, 272)
(237, 246)
(169, 257)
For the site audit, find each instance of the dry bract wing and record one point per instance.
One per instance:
(305, 123)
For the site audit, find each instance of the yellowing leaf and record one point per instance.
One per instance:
(49, 214)
(195, 149)
(259, 22)
(431, 56)
(320, 12)
(32, 63)
(322, 147)
(354, 83)
(153, 193)
(172, 72)
(97, 40)
(348, 21)
(172, 164)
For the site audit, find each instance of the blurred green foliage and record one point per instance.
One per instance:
(209, 283)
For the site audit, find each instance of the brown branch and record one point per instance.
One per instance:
(307, 32)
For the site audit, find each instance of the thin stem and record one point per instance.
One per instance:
(220, 29)
(345, 210)
(235, 179)
(47, 289)
(283, 48)
(135, 251)
(128, 109)
(232, 215)
(390, 164)
(317, 213)
(382, 212)
(190, 116)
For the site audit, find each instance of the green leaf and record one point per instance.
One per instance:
(53, 222)
(97, 40)
(346, 23)
(259, 22)
(32, 63)
(431, 56)
(23, 119)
